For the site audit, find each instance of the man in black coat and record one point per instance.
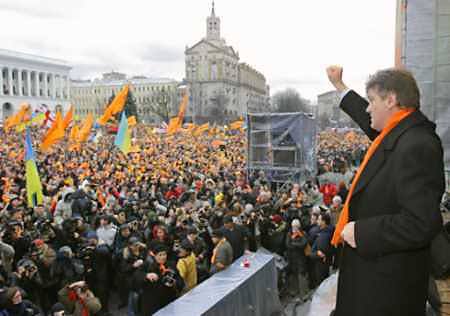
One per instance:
(321, 252)
(394, 207)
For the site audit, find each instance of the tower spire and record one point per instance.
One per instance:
(213, 25)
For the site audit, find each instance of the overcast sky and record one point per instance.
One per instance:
(289, 41)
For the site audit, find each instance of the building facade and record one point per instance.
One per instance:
(31, 79)
(219, 84)
(93, 96)
(328, 108)
(423, 47)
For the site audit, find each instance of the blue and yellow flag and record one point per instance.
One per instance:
(34, 187)
(123, 137)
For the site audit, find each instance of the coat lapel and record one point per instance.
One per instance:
(384, 149)
(375, 163)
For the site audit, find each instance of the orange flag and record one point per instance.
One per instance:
(18, 117)
(68, 118)
(173, 126)
(182, 109)
(216, 143)
(176, 122)
(236, 125)
(74, 133)
(54, 133)
(116, 106)
(190, 126)
(86, 128)
(201, 129)
(132, 121)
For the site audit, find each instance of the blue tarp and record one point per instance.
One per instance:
(299, 126)
(236, 291)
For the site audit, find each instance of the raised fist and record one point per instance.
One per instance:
(335, 76)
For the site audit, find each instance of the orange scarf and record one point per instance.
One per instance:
(296, 235)
(163, 269)
(343, 218)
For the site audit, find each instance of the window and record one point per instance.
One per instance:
(214, 71)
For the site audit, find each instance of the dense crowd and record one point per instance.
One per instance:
(148, 227)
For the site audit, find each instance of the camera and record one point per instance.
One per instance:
(169, 279)
(27, 265)
(176, 247)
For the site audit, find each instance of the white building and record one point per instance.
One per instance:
(93, 96)
(31, 79)
(219, 84)
(328, 106)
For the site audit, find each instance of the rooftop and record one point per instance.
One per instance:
(35, 58)
(132, 81)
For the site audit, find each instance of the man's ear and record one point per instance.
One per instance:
(392, 100)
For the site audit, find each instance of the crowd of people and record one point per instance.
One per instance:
(149, 226)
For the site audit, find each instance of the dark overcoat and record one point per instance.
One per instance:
(395, 207)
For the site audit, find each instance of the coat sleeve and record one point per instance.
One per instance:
(7, 250)
(63, 298)
(93, 304)
(419, 185)
(355, 106)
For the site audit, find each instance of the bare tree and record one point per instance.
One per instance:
(161, 105)
(218, 107)
(324, 121)
(290, 100)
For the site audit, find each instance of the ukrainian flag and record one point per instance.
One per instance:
(123, 138)
(34, 187)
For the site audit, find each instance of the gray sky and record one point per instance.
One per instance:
(289, 41)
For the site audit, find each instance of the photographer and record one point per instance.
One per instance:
(45, 231)
(252, 223)
(69, 235)
(16, 237)
(28, 279)
(66, 269)
(158, 282)
(131, 259)
(6, 254)
(78, 300)
(97, 258)
(82, 204)
(200, 251)
(44, 256)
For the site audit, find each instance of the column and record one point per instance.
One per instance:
(45, 85)
(36, 84)
(10, 82)
(19, 82)
(63, 86)
(56, 86)
(68, 87)
(1, 80)
(60, 86)
(28, 83)
(52, 86)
